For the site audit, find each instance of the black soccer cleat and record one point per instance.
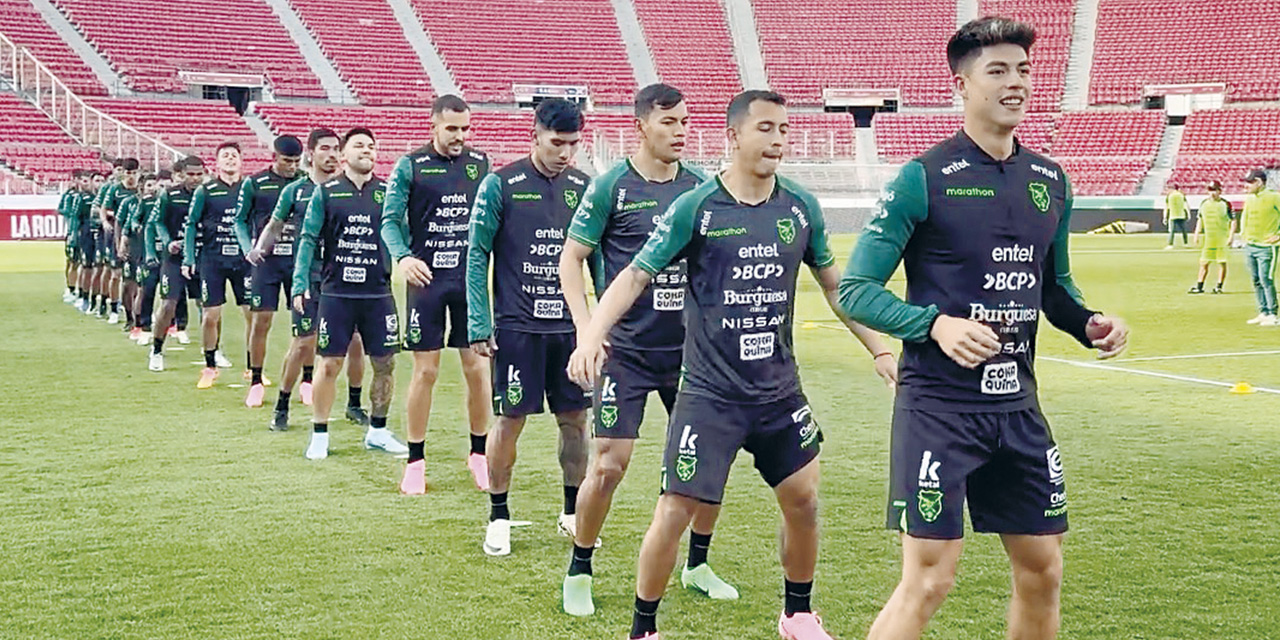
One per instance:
(358, 416)
(280, 422)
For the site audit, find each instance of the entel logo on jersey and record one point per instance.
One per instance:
(516, 179)
(706, 223)
(954, 167)
(1048, 173)
(804, 222)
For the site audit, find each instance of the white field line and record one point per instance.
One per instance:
(1234, 354)
(1153, 374)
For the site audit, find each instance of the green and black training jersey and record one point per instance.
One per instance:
(167, 219)
(255, 204)
(618, 213)
(429, 198)
(212, 220)
(743, 261)
(342, 224)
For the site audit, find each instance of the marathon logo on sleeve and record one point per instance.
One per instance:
(1001, 379)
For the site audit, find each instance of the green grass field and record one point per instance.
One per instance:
(134, 506)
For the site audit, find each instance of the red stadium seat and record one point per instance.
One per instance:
(692, 48)
(27, 28)
(1222, 144)
(33, 146)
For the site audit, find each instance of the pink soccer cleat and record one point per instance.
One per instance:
(415, 478)
(305, 391)
(479, 468)
(254, 399)
(802, 626)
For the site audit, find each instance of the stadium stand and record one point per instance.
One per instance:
(149, 42)
(36, 148)
(369, 49)
(902, 136)
(27, 28)
(193, 126)
(574, 43)
(1107, 152)
(1053, 21)
(1223, 144)
(1142, 42)
(810, 45)
(692, 48)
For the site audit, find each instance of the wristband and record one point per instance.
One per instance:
(881, 355)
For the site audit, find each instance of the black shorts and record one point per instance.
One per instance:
(530, 366)
(107, 249)
(1005, 465)
(427, 307)
(375, 318)
(143, 273)
(624, 386)
(270, 278)
(304, 324)
(68, 249)
(173, 286)
(705, 434)
(214, 276)
(89, 238)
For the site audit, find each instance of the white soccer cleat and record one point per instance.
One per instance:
(220, 360)
(67, 296)
(155, 362)
(144, 338)
(568, 526)
(497, 538)
(182, 337)
(383, 440)
(114, 318)
(1257, 319)
(1269, 321)
(80, 305)
(318, 449)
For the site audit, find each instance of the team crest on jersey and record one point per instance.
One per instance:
(787, 230)
(379, 196)
(473, 171)
(1039, 195)
(571, 198)
(929, 502)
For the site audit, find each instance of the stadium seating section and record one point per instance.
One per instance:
(1221, 145)
(902, 136)
(1053, 21)
(1143, 42)
(149, 42)
(369, 49)
(27, 28)
(490, 44)
(694, 51)
(196, 127)
(35, 147)
(810, 45)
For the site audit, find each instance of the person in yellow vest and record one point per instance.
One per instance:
(1175, 214)
(1218, 225)
(1260, 230)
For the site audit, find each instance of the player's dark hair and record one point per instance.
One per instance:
(192, 161)
(357, 131)
(449, 102)
(990, 31)
(117, 163)
(164, 174)
(288, 146)
(146, 176)
(656, 96)
(229, 144)
(558, 115)
(316, 135)
(741, 104)
(130, 164)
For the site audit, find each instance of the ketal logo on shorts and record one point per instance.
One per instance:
(787, 230)
(322, 337)
(1039, 195)
(687, 460)
(415, 331)
(608, 396)
(515, 390)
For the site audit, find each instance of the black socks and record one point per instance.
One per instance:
(209, 360)
(320, 427)
(698, 546)
(580, 562)
(307, 371)
(570, 500)
(798, 595)
(498, 507)
(645, 618)
(417, 451)
(257, 375)
(353, 396)
(477, 444)
(282, 403)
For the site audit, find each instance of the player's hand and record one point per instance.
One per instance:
(175, 247)
(1110, 335)
(485, 348)
(255, 256)
(586, 362)
(188, 272)
(887, 368)
(415, 271)
(300, 304)
(1271, 240)
(966, 342)
(152, 263)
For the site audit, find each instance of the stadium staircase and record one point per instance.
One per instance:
(1084, 34)
(62, 47)
(426, 50)
(694, 53)
(1153, 184)
(639, 53)
(746, 43)
(335, 87)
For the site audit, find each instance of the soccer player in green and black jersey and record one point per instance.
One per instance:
(744, 236)
(130, 217)
(982, 226)
(163, 246)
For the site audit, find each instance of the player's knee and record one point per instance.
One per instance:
(331, 367)
(930, 588)
(676, 509)
(425, 373)
(383, 365)
(801, 508)
(609, 470)
(1040, 577)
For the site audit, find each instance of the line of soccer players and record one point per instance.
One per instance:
(696, 278)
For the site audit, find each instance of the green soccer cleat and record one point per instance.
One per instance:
(702, 578)
(577, 595)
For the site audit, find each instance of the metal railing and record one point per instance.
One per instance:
(89, 126)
